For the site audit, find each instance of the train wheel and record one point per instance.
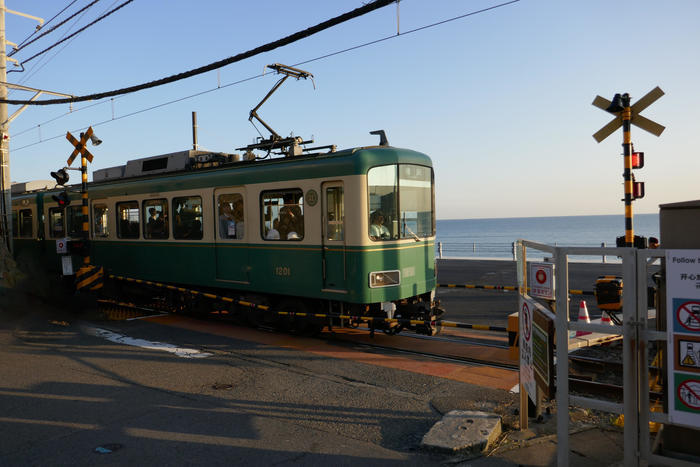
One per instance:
(430, 327)
(393, 328)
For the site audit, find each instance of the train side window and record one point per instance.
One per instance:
(25, 222)
(335, 217)
(100, 215)
(282, 215)
(231, 223)
(187, 218)
(57, 224)
(128, 219)
(75, 221)
(15, 224)
(155, 215)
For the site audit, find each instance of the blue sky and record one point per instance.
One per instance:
(501, 100)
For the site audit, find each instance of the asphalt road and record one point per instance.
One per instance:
(492, 307)
(71, 397)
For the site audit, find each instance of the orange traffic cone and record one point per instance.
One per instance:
(605, 319)
(583, 316)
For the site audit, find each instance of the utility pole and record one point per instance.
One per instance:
(5, 203)
(5, 120)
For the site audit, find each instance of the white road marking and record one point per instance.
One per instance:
(121, 339)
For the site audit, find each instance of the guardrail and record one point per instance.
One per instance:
(489, 250)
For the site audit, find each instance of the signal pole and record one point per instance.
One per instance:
(626, 116)
(627, 174)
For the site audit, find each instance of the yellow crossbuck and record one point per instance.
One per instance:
(80, 146)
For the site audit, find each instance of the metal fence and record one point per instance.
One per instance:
(489, 250)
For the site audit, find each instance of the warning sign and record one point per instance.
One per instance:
(687, 351)
(542, 280)
(683, 321)
(688, 394)
(543, 350)
(527, 371)
(687, 314)
(62, 245)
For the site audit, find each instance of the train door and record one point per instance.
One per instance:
(334, 260)
(230, 235)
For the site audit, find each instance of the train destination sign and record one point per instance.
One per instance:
(683, 323)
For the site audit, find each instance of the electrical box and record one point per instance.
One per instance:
(679, 225)
(608, 293)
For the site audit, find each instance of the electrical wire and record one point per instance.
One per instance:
(250, 78)
(215, 65)
(74, 34)
(34, 70)
(23, 45)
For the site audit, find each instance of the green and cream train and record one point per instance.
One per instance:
(349, 231)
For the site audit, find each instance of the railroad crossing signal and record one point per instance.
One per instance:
(80, 146)
(636, 119)
(625, 117)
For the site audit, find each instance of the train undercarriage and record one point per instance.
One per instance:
(299, 315)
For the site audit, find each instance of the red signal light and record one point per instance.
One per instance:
(62, 199)
(637, 190)
(637, 160)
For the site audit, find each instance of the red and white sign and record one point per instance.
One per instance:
(62, 246)
(689, 394)
(688, 315)
(542, 280)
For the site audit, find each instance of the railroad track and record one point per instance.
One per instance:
(603, 378)
(589, 376)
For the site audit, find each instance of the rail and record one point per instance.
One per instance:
(507, 288)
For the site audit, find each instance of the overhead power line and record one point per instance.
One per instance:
(221, 63)
(250, 78)
(25, 43)
(22, 44)
(72, 35)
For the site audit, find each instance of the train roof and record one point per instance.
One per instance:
(199, 169)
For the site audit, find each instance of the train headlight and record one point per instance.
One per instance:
(384, 279)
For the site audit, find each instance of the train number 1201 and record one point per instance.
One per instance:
(283, 271)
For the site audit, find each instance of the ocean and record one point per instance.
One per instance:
(493, 238)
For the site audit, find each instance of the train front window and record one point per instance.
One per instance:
(416, 201)
(400, 202)
(383, 188)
